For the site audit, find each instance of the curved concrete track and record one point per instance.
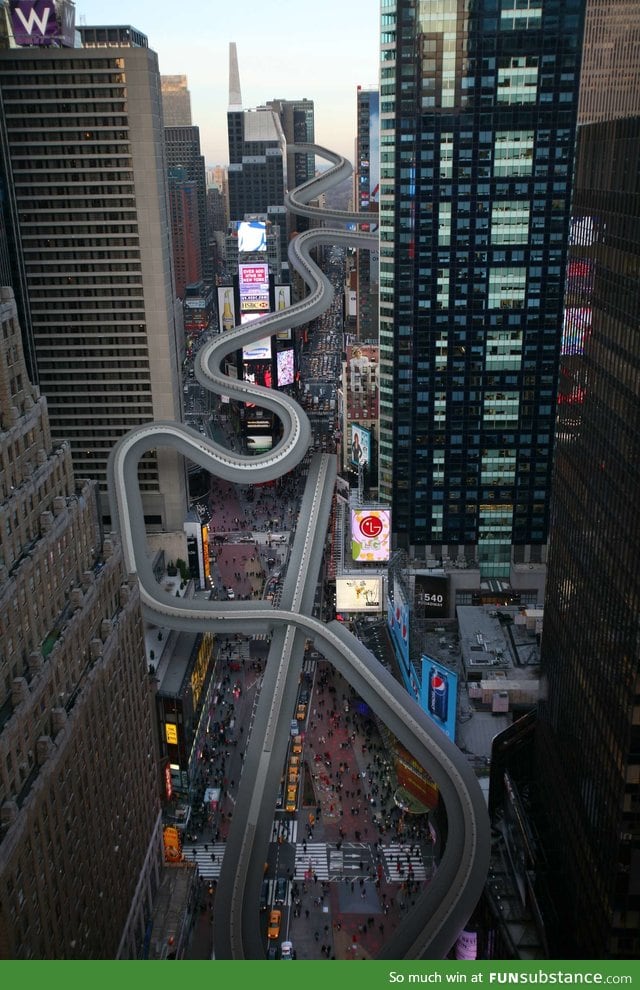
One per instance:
(446, 904)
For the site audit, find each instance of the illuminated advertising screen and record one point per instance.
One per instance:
(431, 597)
(439, 695)
(259, 349)
(252, 235)
(576, 329)
(398, 622)
(254, 288)
(226, 308)
(370, 534)
(359, 594)
(414, 778)
(172, 844)
(283, 301)
(258, 373)
(360, 446)
(285, 367)
(258, 443)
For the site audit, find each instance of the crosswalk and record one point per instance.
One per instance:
(403, 861)
(353, 860)
(312, 857)
(209, 860)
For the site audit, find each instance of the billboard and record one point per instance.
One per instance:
(414, 778)
(256, 443)
(359, 594)
(431, 596)
(172, 844)
(43, 23)
(226, 308)
(283, 301)
(254, 288)
(576, 329)
(360, 446)
(258, 373)
(252, 235)
(439, 695)
(370, 534)
(398, 622)
(285, 367)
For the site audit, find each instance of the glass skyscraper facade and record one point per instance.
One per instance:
(478, 108)
(587, 773)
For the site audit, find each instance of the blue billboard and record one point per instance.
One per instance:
(439, 695)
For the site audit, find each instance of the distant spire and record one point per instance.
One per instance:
(235, 97)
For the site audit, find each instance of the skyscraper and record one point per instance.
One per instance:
(298, 125)
(366, 193)
(478, 112)
(80, 844)
(588, 732)
(90, 186)
(257, 161)
(176, 101)
(182, 148)
(610, 78)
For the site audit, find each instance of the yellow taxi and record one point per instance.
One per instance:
(275, 917)
(292, 798)
(301, 713)
(296, 746)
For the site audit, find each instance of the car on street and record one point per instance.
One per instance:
(275, 918)
(264, 895)
(230, 594)
(294, 763)
(304, 697)
(272, 951)
(287, 951)
(293, 727)
(296, 747)
(301, 712)
(280, 894)
(292, 798)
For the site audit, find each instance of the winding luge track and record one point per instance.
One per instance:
(444, 907)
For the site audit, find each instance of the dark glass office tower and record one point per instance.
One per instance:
(366, 195)
(478, 111)
(257, 161)
(588, 734)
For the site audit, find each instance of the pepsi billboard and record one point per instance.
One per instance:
(439, 695)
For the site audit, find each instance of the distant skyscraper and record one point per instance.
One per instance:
(176, 101)
(80, 844)
(366, 196)
(588, 733)
(298, 124)
(185, 229)
(257, 161)
(182, 147)
(90, 186)
(478, 115)
(610, 78)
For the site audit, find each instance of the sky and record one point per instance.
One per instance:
(287, 49)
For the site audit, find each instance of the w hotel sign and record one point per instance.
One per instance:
(50, 23)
